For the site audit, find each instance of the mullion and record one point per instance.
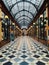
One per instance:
(25, 19)
(8, 2)
(24, 16)
(22, 21)
(25, 23)
(18, 8)
(35, 11)
(24, 11)
(29, 8)
(38, 2)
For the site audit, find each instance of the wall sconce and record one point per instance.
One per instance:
(6, 17)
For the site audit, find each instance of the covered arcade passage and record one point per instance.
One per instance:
(24, 32)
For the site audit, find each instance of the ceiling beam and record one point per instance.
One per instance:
(24, 11)
(27, 2)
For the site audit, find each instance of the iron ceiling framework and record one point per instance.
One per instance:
(23, 11)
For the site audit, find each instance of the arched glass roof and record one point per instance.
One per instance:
(23, 11)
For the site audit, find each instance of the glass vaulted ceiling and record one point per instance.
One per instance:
(23, 11)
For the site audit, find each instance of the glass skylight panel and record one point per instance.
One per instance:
(33, 1)
(26, 5)
(20, 4)
(24, 17)
(32, 9)
(28, 8)
(15, 9)
(9, 2)
(14, 1)
(24, 27)
(23, 21)
(17, 15)
(22, 13)
(37, 2)
(27, 13)
(31, 16)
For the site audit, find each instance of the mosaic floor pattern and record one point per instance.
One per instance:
(24, 51)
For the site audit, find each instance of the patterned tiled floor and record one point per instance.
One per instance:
(24, 51)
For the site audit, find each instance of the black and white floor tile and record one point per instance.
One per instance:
(24, 51)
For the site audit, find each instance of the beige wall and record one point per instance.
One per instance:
(1, 34)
